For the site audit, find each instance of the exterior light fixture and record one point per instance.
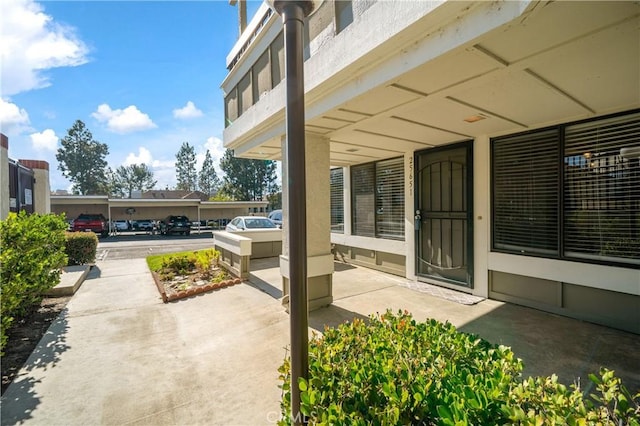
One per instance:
(293, 14)
(474, 118)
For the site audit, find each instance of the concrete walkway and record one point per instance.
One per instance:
(118, 355)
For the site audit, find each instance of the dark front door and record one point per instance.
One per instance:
(444, 215)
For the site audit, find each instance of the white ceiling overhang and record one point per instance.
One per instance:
(557, 62)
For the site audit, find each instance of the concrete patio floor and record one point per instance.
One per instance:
(118, 355)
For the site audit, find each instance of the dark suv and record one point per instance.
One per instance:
(175, 224)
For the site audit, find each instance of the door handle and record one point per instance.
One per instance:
(417, 220)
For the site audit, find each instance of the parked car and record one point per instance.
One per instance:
(175, 224)
(91, 223)
(276, 217)
(121, 225)
(146, 225)
(250, 223)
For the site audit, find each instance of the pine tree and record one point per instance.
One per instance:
(248, 180)
(186, 168)
(208, 179)
(81, 159)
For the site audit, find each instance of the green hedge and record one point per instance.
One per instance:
(81, 247)
(31, 257)
(392, 370)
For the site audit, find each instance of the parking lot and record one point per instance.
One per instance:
(134, 245)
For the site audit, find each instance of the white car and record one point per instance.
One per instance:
(250, 223)
(121, 225)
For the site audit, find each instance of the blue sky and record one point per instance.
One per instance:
(144, 76)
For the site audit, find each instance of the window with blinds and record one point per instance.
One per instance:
(337, 200)
(363, 200)
(377, 199)
(602, 190)
(525, 192)
(390, 199)
(570, 192)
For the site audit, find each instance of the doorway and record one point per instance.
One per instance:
(443, 214)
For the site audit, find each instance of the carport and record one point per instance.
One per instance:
(153, 209)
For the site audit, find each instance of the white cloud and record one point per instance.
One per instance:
(12, 116)
(32, 43)
(164, 171)
(188, 111)
(46, 140)
(143, 157)
(127, 120)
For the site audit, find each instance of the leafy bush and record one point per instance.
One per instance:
(394, 370)
(31, 257)
(81, 247)
(178, 264)
(182, 263)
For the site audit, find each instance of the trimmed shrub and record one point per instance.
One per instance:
(31, 257)
(393, 370)
(81, 247)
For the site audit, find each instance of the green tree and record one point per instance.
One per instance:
(81, 159)
(133, 177)
(208, 179)
(186, 168)
(248, 180)
(275, 200)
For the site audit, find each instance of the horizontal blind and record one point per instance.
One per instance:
(390, 199)
(525, 181)
(337, 199)
(602, 190)
(363, 200)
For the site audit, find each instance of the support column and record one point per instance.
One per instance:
(319, 256)
(4, 176)
(41, 187)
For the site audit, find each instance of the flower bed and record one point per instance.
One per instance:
(186, 274)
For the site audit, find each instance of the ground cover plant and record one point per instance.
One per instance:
(187, 273)
(393, 370)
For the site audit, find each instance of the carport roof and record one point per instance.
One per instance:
(146, 202)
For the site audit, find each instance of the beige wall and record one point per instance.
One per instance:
(4, 177)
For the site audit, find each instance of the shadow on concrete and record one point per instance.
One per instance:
(552, 344)
(264, 286)
(20, 400)
(94, 273)
(264, 263)
(341, 266)
(332, 316)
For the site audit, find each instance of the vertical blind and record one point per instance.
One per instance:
(337, 199)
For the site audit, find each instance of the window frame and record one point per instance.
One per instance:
(376, 233)
(336, 192)
(564, 194)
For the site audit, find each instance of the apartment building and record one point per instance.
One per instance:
(488, 147)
